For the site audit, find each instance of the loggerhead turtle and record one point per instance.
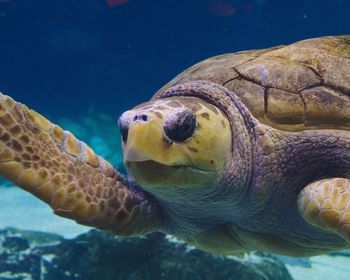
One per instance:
(243, 151)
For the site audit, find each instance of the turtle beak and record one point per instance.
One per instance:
(133, 153)
(142, 142)
(134, 129)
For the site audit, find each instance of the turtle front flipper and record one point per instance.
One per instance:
(65, 173)
(326, 204)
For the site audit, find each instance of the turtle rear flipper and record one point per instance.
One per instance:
(65, 173)
(326, 204)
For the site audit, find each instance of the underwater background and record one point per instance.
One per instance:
(81, 63)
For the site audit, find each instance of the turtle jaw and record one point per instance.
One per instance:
(151, 174)
(156, 169)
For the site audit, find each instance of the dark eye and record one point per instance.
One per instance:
(180, 126)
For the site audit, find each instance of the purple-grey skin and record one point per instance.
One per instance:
(285, 187)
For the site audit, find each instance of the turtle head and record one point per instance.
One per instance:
(176, 142)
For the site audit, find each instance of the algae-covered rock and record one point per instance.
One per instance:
(101, 256)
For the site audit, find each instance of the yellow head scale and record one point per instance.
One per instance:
(177, 142)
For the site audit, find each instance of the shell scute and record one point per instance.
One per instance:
(284, 107)
(279, 73)
(218, 69)
(328, 56)
(251, 94)
(326, 108)
(305, 85)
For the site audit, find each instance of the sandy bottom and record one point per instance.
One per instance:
(323, 268)
(21, 210)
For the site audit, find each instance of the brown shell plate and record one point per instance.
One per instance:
(305, 85)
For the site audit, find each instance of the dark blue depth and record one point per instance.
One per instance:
(62, 57)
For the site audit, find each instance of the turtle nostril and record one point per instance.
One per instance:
(140, 117)
(126, 119)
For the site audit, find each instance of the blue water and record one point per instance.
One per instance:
(82, 62)
(63, 56)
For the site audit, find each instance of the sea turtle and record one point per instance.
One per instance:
(243, 151)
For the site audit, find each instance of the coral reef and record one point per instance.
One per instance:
(26, 255)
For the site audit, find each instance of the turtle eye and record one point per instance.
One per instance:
(180, 126)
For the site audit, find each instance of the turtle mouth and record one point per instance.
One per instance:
(150, 173)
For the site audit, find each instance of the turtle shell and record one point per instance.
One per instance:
(305, 85)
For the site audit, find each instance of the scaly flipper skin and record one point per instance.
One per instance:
(65, 173)
(326, 204)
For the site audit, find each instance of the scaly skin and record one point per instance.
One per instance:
(325, 204)
(264, 213)
(286, 163)
(66, 174)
